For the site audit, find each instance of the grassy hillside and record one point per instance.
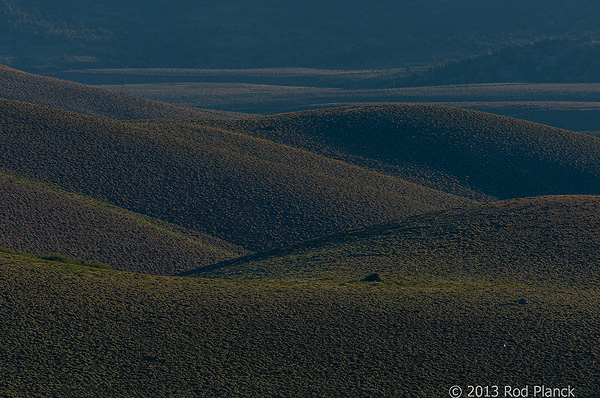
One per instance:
(543, 241)
(41, 220)
(22, 86)
(72, 331)
(494, 155)
(297, 321)
(247, 191)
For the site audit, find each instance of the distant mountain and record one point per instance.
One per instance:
(554, 60)
(41, 220)
(451, 149)
(537, 241)
(26, 87)
(66, 34)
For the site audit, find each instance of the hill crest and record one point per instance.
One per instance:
(537, 241)
(22, 86)
(462, 151)
(41, 220)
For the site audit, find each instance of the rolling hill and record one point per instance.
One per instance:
(21, 86)
(502, 292)
(448, 148)
(269, 91)
(246, 190)
(41, 220)
(545, 241)
(73, 331)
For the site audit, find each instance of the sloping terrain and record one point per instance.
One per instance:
(444, 147)
(248, 191)
(72, 331)
(539, 241)
(504, 293)
(556, 60)
(573, 107)
(41, 220)
(26, 87)
(225, 33)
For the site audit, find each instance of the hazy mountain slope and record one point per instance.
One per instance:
(556, 60)
(39, 220)
(545, 240)
(346, 34)
(22, 86)
(72, 331)
(247, 191)
(495, 155)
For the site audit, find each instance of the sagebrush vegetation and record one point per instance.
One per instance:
(68, 330)
(40, 220)
(541, 241)
(473, 289)
(444, 147)
(248, 191)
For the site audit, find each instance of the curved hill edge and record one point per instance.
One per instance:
(538, 240)
(93, 101)
(456, 150)
(250, 192)
(39, 219)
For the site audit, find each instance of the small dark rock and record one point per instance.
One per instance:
(153, 358)
(523, 301)
(373, 278)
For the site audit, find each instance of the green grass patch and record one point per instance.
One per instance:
(69, 330)
(39, 219)
(58, 258)
(541, 241)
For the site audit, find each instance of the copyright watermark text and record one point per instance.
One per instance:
(494, 391)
